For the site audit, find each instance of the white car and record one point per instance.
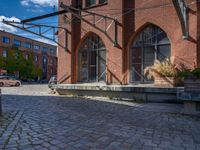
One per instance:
(9, 81)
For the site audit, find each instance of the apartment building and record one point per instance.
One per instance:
(45, 55)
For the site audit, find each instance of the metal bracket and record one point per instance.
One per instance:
(78, 13)
(96, 19)
(39, 30)
(181, 9)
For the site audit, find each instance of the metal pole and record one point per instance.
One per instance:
(0, 104)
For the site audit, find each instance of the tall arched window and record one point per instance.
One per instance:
(92, 60)
(152, 43)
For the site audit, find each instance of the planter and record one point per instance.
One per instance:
(164, 81)
(192, 85)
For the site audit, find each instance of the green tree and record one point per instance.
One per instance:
(16, 63)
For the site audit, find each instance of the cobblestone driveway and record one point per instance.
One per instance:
(34, 119)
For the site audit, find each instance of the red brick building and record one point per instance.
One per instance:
(116, 51)
(45, 55)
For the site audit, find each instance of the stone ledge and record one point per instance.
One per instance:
(144, 92)
(119, 88)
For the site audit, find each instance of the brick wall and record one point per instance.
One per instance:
(160, 13)
(37, 53)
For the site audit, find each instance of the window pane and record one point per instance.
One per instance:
(52, 51)
(163, 52)
(36, 47)
(44, 49)
(90, 2)
(102, 1)
(27, 45)
(78, 4)
(6, 40)
(17, 42)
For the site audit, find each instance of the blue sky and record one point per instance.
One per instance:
(22, 9)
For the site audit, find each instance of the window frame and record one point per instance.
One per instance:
(17, 42)
(51, 61)
(34, 47)
(88, 3)
(104, 2)
(27, 43)
(44, 49)
(4, 39)
(52, 51)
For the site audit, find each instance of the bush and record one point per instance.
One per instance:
(186, 73)
(161, 69)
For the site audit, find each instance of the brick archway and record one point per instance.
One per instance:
(91, 62)
(148, 44)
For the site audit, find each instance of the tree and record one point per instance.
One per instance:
(16, 63)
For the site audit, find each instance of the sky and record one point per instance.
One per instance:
(22, 9)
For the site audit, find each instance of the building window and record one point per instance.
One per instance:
(6, 40)
(90, 2)
(151, 44)
(51, 61)
(78, 4)
(103, 1)
(5, 53)
(36, 58)
(44, 49)
(17, 42)
(27, 45)
(44, 60)
(36, 47)
(52, 51)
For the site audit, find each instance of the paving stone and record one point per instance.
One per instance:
(49, 122)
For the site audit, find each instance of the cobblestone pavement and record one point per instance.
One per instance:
(36, 120)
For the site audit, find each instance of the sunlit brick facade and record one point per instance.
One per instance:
(146, 30)
(45, 55)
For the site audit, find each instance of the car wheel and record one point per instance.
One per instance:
(1, 84)
(17, 84)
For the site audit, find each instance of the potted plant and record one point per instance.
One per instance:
(191, 79)
(164, 73)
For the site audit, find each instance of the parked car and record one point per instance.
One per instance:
(9, 81)
(52, 81)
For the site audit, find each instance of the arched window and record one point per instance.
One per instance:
(92, 60)
(152, 43)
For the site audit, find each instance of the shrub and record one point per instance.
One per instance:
(163, 69)
(193, 73)
(196, 73)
